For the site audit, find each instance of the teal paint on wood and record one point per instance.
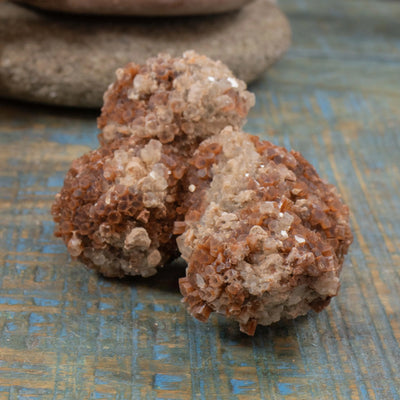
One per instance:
(67, 333)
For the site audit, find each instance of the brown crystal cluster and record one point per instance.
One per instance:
(263, 235)
(170, 99)
(117, 209)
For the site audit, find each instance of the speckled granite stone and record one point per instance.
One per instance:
(70, 60)
(139, 7)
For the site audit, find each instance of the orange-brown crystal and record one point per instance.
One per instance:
(263, 235)
(120, 208)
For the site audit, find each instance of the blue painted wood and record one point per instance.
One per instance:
(67, 333)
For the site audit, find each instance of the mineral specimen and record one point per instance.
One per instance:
(265, 237)
(183, 99)
(117, 209)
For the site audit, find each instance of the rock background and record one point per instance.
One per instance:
(70, 60)
(139, 7)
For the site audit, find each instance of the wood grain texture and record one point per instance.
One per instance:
(67, 333)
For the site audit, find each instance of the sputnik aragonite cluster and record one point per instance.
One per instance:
(117, 209)
(263, 235)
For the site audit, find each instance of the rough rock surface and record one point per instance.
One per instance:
(265, 237)
(182, 99)
(70, 60)
(117, 209)
(139, 7)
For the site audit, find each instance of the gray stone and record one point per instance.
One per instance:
(139, 7)
(70, 60)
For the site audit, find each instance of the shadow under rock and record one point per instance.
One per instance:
(229, 331)
(166, 279)
(10, 108)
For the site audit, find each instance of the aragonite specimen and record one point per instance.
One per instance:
(183, 99)
(265, 236)
(117, 209)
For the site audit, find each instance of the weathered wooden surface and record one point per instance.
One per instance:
(66, 333)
